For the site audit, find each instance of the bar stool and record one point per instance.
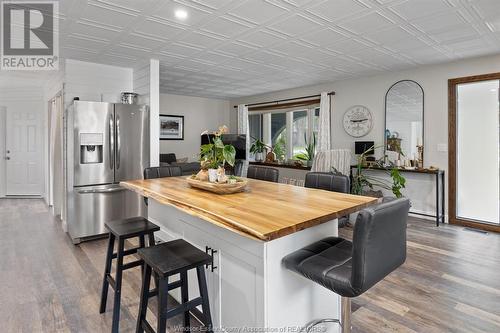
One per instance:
(351, 268)
(122, 230)
(167, 259)
(330, 182)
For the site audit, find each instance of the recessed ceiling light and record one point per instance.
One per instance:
(181, 14)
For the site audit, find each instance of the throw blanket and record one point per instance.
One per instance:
(333, 160)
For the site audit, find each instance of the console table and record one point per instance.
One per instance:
(439, 178)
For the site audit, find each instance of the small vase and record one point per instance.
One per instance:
(259, 157)
(212, 175)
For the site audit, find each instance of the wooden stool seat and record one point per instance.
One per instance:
(164, 260)
(131, 227)
(173, 257)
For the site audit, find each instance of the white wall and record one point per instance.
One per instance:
(370, 91)
(95, 82)
(199, 114)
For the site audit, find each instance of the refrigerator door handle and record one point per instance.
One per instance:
(118, 143)
(102, 190)
(111, 143)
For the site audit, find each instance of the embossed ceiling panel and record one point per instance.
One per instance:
(234, 48)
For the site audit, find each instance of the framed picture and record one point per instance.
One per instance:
(171, 127)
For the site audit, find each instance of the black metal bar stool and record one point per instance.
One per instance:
(351, 268)
(122, 230)
(167, 259)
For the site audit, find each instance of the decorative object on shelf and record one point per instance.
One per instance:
(171, 127)
(232, 185)
(214, 155)
(270, 157)
(129, 98)
(420, 156)
(363, 184)
(404, 119)
(358, 121)
(258, 148)
(308, 155)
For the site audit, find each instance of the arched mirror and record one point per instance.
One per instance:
(404, 124)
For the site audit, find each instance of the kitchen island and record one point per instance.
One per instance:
(248, 234)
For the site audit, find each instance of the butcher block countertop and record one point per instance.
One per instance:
(265, 211)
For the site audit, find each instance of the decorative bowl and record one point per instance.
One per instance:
(218, 188)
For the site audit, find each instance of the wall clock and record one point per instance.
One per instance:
(358, 121)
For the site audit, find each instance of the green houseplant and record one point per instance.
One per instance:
(310, 150)
(279, 149)
(258, 148)
(215, 154)
(361, 181)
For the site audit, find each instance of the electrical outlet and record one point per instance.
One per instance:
(442, 147)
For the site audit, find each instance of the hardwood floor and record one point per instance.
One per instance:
(450, 282)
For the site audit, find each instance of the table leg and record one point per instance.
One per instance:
(437, 199)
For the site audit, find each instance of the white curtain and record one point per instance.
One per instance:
(323, 142)
(243, 128)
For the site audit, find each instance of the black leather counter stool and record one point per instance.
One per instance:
(160, 172)
(122, 230)
(351, 268)
(167, 259)
(330, 182)
(263, 173)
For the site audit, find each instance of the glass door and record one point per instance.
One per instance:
(478, 152)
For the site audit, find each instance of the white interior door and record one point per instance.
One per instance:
(24, 152)
(478, 151)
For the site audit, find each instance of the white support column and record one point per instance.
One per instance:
(154, 112)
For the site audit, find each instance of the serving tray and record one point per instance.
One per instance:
(217, 188)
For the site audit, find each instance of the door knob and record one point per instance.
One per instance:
(7, 158)
(8, 151)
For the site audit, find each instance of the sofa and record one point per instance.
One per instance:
(187, 168)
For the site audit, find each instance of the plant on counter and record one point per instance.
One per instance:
(308, 154)
(361, 181)
(214, 156)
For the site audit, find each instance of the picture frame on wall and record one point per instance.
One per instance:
(171, 127)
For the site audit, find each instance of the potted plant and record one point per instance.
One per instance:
(279, 149)
(361, 181)
(214, 155)
(258, 148)
(308, 155)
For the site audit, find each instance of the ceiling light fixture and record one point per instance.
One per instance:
(181, 14)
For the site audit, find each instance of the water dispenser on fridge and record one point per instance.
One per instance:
(91, 148)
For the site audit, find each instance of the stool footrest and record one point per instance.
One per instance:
(145, 325)
(132, 264)
(111, 281)
(184, 307)
(126, 252)
(173, 285)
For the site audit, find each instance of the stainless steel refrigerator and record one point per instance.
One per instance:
(105, 143)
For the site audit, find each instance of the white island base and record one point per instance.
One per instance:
(249, 289)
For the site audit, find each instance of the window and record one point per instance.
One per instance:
(288, 132)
